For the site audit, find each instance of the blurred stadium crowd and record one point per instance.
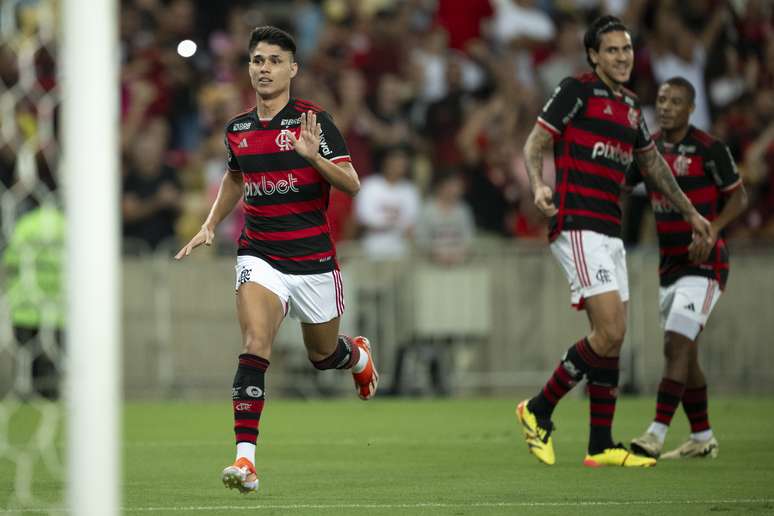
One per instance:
(435, 99)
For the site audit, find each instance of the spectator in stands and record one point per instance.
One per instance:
(445, 116)
(151, 200)
(566, 59)
(445, 228)
(387, 207)
(489, 153)
(685, 54)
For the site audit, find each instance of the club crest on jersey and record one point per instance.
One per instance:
(283, 140)
(682, 165)
(634, 118)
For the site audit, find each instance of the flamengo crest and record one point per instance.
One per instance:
(634, 118)
(283, 140)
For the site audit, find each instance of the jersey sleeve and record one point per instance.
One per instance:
(633, 175)
(562, 107)
(644, 141)
(332, 144)
(721, 168)
(231, 162)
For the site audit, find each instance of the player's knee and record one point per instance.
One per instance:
(613, 334)
(255, 344)
(678, 350)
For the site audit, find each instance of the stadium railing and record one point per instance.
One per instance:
(505, 314)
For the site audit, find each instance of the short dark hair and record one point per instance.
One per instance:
(682, 82)
(274, 36)
(601, 25)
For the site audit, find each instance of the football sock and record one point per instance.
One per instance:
(248, 397)
(246, 450)
(603, 393)
(695, 406)
(344, 356)
(574, 364)
(668, 398)
(705, 435)
(659, 430)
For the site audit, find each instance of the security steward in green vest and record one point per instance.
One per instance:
(34, 292)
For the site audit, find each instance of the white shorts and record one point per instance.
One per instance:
(593, 263)
(686, 304)
(310, 298)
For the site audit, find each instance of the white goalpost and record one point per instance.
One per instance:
(90, 134)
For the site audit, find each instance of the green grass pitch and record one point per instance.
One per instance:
(436, 457)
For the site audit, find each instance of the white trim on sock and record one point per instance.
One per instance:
(362, 362)
(703, 436)
(659, 430)
(246, 450)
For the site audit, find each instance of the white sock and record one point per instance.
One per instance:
(704, 435)
(659, 430)
(246, 450)
(362, 362)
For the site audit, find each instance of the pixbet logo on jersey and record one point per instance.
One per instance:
(269, 187)
(612, 152)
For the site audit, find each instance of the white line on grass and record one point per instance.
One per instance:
(421, 505)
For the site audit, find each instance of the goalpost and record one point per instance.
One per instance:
(90, 63)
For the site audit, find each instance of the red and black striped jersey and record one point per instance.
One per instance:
(285, 198)
(596, 133)
(705, 171)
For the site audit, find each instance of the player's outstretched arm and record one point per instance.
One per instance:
(537, 141)
(343, 176)
(656, 168)
(228, 196)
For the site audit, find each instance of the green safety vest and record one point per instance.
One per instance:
(33, 263)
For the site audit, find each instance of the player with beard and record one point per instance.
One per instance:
(597, 130)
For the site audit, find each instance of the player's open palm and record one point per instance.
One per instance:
(204, 236)
(308, 142)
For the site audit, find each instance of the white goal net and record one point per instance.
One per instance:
(58, 326)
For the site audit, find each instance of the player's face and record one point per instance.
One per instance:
(615, 57)
(271, 69)
(673, 107)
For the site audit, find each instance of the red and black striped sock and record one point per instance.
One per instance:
(668, 398)
(248, 396)
(569, 372)
(603, 394)
(695, 406)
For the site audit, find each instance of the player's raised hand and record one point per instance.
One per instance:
(308, 142)
(204, 236)
(544, 200)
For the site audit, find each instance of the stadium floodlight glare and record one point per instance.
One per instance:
(186, 48)
(90, 178)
